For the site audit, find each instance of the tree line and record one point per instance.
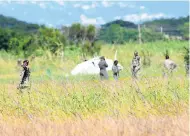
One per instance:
(51, 39)
(19, 37)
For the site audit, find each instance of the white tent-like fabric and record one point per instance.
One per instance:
(91, 66)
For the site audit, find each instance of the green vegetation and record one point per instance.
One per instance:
(123, 31)
(18, 26)
(21, 38)
(24, 39)
(54, 53)
(55, 94)
(170, 26)
(121, 23)
(86, 104)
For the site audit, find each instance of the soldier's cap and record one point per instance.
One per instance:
(102, 57)
(115, 62)
(167, 56)
(136, 53)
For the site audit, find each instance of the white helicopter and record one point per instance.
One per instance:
(91, 66)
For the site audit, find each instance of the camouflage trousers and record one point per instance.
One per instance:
(103, 74)
(187, 69)
(116, 76)
(24, 84)
(135, 70)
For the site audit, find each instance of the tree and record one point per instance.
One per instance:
(14, 45)
(75, 33)
(5, 36)
(46, 39)
(91, 33)
(51, 39)
(112, 33)
(91, 48)
(130, 35)
(150, 36)
(185, 30)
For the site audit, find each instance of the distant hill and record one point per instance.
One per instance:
(19, 26)
(122, 23)
(170, 26)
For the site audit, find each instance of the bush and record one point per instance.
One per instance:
(91, 48)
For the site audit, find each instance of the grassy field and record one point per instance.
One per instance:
(61, 104)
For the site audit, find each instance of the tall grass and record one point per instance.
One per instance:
(56, 95)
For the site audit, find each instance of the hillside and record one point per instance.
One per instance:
(19, 26)
(122, 23)
(171, 26)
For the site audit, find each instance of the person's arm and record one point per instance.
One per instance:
(99, 65)
(118, 69)
(114, 69)
(140, 61)
(28, 74)
(106, 65)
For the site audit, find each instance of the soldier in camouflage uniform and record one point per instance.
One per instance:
(115, 70)
(25, 74)
(103, 65)
(186, 60)
(135, 66)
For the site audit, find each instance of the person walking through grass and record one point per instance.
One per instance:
(169, 66)
(115, 70)
(135, 66)
(25, 75)
(103, 65)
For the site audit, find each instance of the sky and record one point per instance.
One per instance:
(58, 12)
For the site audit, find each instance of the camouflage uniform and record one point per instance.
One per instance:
(186, 60)
(25, 74)
(135, 66)
(103, 65)
(115, 70)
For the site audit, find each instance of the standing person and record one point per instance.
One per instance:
(136, 63)
(186, 61)
(103, 65)
(25, 74)
(169, 66)
(115, 70)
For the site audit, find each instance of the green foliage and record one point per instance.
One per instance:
(150, 36)
(130, 35)
(146, 58)
(91, 33)
(117, 34)
(53, 95)
(122, 31)
(91, 48)
(186, 55)
(26, 39)
(51, 39)
(14, 45)
(121, 23)
(185, 30)
(18, 26)
(84, 37)
(76, 32)
(171, 26)
(113, 33)
(5, 36)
